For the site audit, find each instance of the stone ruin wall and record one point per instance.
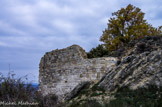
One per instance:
(60, 71)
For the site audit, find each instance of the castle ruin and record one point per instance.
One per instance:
(60, 71)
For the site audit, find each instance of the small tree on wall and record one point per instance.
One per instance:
(99, 51)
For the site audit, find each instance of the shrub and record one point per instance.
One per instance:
(99, 51)
(15, 90)
(86, 103)
(144, 97)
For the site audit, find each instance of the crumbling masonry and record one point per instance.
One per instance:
(60, 71)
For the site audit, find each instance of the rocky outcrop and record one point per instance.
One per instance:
(60, 71)
(139, 67)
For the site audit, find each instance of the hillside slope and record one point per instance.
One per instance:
(135, 81)
(139, 67)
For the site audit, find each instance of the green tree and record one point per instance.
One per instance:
(126, 24)
(99, 51)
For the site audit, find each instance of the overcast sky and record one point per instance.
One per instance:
(29, 28)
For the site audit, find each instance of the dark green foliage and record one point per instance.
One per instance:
(88, 92)
(83, 92)
(15, 90)
(48, 101)
(12, 89)
(96, 94)
(124, 97)
(96, 88)
(94, 91)
(99, 51)
(86, 103)
(144, 97)
(92, 103)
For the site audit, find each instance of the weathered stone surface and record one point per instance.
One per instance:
(140, 67)
(60, 71)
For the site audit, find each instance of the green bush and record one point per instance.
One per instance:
(86, 103)
(99, 51)
(142, 97)
(124, 97)
(15, 90)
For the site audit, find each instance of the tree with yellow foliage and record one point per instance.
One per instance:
(125, 25)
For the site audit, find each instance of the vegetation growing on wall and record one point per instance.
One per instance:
(99, 51)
